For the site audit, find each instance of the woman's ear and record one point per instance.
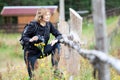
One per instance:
(41, 17)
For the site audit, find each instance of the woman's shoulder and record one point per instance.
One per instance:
(32, 25)
(33, 22)
(49, 24)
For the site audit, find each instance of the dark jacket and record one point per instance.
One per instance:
(34, 28)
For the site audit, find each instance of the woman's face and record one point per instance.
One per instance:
(46, 17)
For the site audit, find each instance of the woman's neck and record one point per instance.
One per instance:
(43, 23)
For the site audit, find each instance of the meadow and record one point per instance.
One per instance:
(12, 66)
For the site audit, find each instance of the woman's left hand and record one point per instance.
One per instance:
(53, 42)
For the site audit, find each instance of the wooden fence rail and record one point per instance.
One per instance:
(94, 56)
(12, 28)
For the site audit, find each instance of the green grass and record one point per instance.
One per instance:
(88, 30)
(116, 41)
(111, 20)
(115, 45)
(9, 44)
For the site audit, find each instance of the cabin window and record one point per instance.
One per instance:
(10, 20)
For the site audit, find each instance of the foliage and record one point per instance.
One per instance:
(78, 5)
(112, 4)
(27, 2)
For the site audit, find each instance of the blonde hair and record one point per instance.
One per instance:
(40, 12)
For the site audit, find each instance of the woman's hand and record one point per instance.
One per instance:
(53, 42)
(34, 38)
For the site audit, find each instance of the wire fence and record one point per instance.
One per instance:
(109, 13)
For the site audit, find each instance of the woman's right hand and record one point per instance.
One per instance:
(34, 38)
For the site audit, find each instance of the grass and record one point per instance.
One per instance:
(11, 54)
(115, 51)
(12, 65)
(9, 45)
(115, 45)
(88, 30)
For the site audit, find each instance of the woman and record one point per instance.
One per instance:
(38, 31)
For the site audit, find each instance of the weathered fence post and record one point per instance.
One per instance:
(64, 29)
(62, 11)
(70, 60)
(99, 18)
(74, 58)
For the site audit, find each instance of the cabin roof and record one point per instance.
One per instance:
(23, 10)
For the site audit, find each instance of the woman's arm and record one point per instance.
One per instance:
(28, 32)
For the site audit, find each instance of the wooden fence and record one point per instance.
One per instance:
(94, 56)
(109, 13)
(12, 28)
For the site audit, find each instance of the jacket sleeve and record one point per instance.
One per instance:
(54, 31)
(28, 32)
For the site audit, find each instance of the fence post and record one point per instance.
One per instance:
(75, 28)
(99, 18)
(64, 29)
(62, 10)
